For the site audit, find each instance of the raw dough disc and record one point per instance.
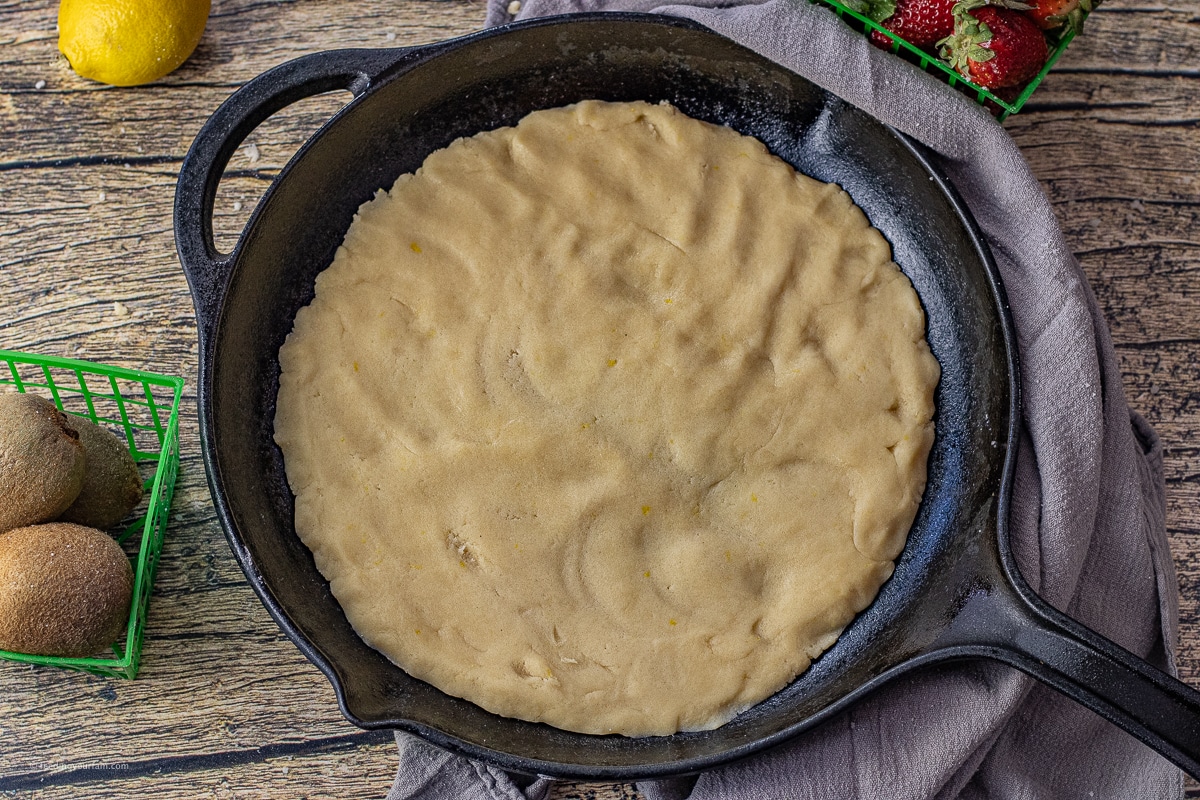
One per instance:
(610, 420)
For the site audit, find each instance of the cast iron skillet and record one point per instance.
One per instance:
(956, 592)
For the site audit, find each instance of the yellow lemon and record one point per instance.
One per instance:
(129, 42)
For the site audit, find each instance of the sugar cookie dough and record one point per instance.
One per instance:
(609, 420)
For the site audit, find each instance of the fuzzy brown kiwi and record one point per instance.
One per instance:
(65, 590)
(42, 462)
(112, 486)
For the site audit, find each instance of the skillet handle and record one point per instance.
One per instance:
(207, 269)
(1014, 626)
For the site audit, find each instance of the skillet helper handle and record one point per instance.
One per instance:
(1161, 711)
(207, 269)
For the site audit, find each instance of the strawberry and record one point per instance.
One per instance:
(921, 23)
(994, 47)
(1052, 14)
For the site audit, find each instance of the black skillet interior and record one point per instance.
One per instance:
(430, 97)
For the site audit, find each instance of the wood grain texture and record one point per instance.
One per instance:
(225, 705)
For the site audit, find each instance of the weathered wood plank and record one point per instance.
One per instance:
(337, 768)
(360, 766)
(1112, 134)
(1142, 38)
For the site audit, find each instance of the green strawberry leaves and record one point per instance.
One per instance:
(874, 10)
(966, 43)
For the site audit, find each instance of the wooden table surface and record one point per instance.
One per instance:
(225, 705)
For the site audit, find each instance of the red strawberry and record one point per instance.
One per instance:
(921, 23)
(1051, 14)
(994, 47)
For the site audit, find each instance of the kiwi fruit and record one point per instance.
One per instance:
(112, 486)
(65, 590)
(42, 461)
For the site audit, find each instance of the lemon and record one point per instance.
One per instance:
(129, 42)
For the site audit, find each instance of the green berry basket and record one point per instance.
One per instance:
(935, 66)
(146, 407)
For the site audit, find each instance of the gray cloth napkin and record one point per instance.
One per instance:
(1087, 508)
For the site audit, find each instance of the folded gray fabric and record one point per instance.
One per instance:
(1087, 508)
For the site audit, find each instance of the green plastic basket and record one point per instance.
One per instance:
(941, 69)
(146, 407)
